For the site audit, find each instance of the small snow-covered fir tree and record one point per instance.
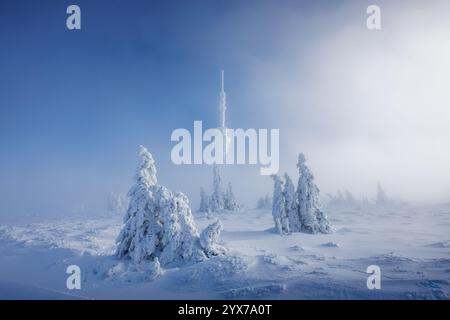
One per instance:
(312, 218)
(264, 203)
(347, 201)
(180, 239)
(209, 239)
(278, 207)
(290, 205)
(350, 199)
(382, 198)
(260, 203)
(216, 203)
(230, 202)
(365, 201)
(158, 223)
(340, 198)
(204, 201)
(267, 202)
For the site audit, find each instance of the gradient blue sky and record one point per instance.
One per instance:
(75, 105)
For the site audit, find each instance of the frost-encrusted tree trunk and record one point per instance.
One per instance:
(290, 205)
(216, 201)
(312, 219)
(230, 202)
(278, 207)
(158, 225)
(204, 201)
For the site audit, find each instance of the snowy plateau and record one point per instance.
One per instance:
(411, 245)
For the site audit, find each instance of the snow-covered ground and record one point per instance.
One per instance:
(410, 245)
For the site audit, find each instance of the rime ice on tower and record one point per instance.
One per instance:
(159, 224)
(222, 114)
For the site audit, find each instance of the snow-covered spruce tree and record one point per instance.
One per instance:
(312, 218)
(290, 205)
(264, 203)
(229, 200)
(350, 200)
(260, 203)
(158, 225)
(209, 239)
(267, 202)
(382, 198)
(204, 201)
(216, 200)
(278, 207)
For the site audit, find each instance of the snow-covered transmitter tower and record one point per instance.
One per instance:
(222, 101)
(222, 113)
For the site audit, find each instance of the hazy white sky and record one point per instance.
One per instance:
(366, 106)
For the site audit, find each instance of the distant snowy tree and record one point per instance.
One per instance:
(332, 200)
(264, 203)
(382, 198)
(204, 201)
(116, 204)
(278, 207)
(216, 203)
(340, 198)
(267, 202)
(209, 239)
(230, 202)
(347, 201)
(158, 223)
(350, 199)
(365, 201)
(312, 219)
(260, 203)
(290, 205)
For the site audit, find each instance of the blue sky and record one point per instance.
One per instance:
(75, 105)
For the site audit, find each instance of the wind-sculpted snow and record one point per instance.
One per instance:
(209, 239)
(95, 237)
(441, 244)
(256, 292)
(409, 246)
(215, 271)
